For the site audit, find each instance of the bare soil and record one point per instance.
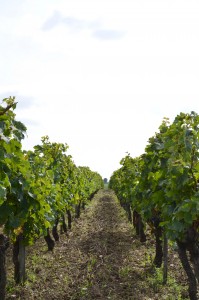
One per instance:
(101, 258)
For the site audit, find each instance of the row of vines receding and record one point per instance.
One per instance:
(160, 188)
(39, 189)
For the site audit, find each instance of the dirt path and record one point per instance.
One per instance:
(107, 243)
(101, 259)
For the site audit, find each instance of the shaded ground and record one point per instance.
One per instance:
(100, 259)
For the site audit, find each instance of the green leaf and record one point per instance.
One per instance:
(2, 194)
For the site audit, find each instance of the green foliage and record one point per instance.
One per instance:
(37, 186)
(15, 199)
(163, 182)
(124, 180)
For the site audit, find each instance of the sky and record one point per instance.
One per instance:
(99, 75)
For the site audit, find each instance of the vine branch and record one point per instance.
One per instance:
(6, 109)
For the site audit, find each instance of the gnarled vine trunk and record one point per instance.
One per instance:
(49, 241)
(193, 248)
(77, 210)
(69, 219)
(136, 222)
(127, 208)
(139, 226)
(141, 230)
(55, 231)
(83, 205)
(63, 225)
(158, 245)
(19, 259)
(182, 247)
(165, 258)
(4, 243)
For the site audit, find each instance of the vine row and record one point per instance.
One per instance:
(38, 189)
(160, 188)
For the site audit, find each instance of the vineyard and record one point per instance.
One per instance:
(138, 239)
(100, 258)
(161, 189)
(38, 189)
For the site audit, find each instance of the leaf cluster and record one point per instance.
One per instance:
(36, 186)
(163, 182)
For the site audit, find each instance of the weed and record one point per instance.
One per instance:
(124, 271)
(32, 277)
(155, 280)
(84, 289)
(148, 259)
(91, 263)
(11, 286)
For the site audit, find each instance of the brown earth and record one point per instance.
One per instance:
(101, 258)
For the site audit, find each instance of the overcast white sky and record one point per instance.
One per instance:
(99, 75)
